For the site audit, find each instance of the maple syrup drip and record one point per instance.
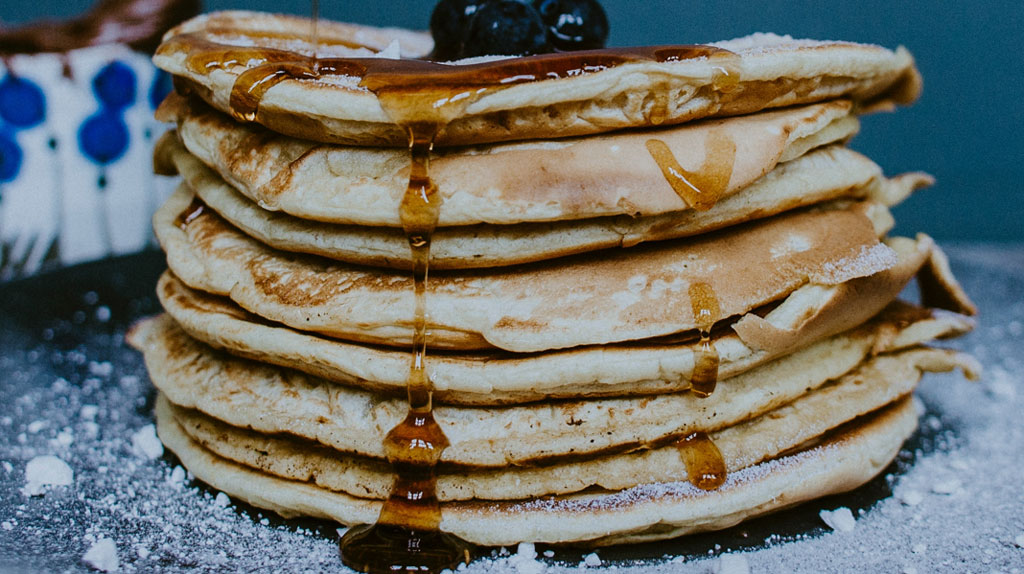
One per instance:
(193, 211)
(251, 85)
(407, 535)
(658, 112)
(705, 467)
(314, 36)
(706, 313)
(700, 189)
(726, 75)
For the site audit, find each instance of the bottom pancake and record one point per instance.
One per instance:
(841, 461)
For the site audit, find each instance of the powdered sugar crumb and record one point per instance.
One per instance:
(177, 477)
(146, 444)
(102, 556)
(89, 412)
(222, 500)
(44, 472)
(392, 52)
(525, 560)
(840, 519)
(100, 369)
(592, 560)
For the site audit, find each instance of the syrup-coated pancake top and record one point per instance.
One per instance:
(262, 68)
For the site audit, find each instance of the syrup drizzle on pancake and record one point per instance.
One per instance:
(441, 84)
(424, 97)
(705, 467)
(314, 36)
(657, 112)
(700, 189)
(724, 78)
(706, 312)
(407, 534)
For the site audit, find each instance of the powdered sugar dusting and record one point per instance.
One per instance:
(868, 261)
(732, 564)
(659, 492)
(766, 43)
(162, 521)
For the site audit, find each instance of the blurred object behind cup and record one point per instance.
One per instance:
(77, 134)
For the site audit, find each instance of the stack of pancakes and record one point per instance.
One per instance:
(661, 299)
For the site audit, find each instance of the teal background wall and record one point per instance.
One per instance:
(966, 129)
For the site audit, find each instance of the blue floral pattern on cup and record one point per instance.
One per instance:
(103, 137)
(77, 187)
(22, 106)
(162, 85)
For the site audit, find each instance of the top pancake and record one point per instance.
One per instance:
(358, 99)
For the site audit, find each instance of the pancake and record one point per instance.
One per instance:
(871, 385)
(840, 462)
(501, 100)
(827, 174)
(503, 378)
(539, 181)
(590, 299)
(270, 399)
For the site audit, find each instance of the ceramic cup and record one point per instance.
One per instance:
(76, 143)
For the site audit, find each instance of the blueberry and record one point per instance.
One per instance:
(448, 24)
(505, 28)
(115, 85)
(574, 24)
(22, 103)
